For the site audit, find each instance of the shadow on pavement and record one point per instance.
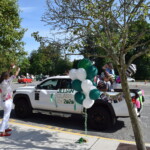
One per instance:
(123, 146)
(75, 122)
(35, 139)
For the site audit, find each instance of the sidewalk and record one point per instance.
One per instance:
(41, 138)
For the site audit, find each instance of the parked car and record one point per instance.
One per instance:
(129, 79)
(54, 96)
(41, 77)
(25, 80)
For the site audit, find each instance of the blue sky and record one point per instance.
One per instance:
(31, 13)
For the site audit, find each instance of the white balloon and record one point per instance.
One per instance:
(92, 87)
(81, 74)
(73, 74)
(88, 103)
(86, 85)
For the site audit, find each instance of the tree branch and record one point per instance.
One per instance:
(135, 9)
(137, 55)
(87, 54)
(135, 44)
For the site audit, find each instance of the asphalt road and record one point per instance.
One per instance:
(122, 129)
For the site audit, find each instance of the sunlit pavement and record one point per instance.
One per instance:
(26, 136)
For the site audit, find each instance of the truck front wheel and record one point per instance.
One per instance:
(99, 118)
(22, 109)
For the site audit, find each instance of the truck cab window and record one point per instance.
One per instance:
(51, 84)
(65, 84)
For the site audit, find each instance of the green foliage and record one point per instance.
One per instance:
(11, 34)
(48, 58)
(45, 63)
(142, 63)
(143, 68)
(75, 64)
(24, 64)
(63, 66)
(40, 63)
(107, 22)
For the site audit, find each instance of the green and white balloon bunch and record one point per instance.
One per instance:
(83, 83)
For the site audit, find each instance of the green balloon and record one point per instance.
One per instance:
(79, 97)
(76, 85)
(94, 94)
(84, 63)
(94, 84)
(91, 72)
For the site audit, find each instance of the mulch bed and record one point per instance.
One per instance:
(123, 146)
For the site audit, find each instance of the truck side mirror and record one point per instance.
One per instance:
(38, 87)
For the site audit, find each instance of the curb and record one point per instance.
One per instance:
(68, 132)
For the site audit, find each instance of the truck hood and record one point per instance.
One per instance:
(26, 88)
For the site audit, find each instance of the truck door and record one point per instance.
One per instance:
(45, 94)
(65, 98)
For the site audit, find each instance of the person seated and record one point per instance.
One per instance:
(109, 68)
(105, 83)
(96, 79)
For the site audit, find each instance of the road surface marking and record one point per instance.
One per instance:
(45, 128)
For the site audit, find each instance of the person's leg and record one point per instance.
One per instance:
(10, 108)
(7, 105)
(108, 86)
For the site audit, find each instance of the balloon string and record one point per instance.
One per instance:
(75, 106)
(85, 122)
(52, 99)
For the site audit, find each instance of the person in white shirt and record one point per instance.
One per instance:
(6, 99)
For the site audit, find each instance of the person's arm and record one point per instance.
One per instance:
(14, 76)
(113, 71)
(17, 72)
(104, 67)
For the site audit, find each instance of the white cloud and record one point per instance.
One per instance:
(27, 9)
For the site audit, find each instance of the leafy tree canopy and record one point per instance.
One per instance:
(107, 21)
(48, 58)
(11, 33)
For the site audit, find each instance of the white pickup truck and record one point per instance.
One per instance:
(54, 96)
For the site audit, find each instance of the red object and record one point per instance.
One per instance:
(25, 80)
(5, 134)
(8, 97)
(8, 130)
(136, 102)
(133, 100)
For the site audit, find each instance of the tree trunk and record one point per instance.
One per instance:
(133, 116)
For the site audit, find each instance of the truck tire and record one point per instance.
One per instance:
(99, 118)
(22, 109)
